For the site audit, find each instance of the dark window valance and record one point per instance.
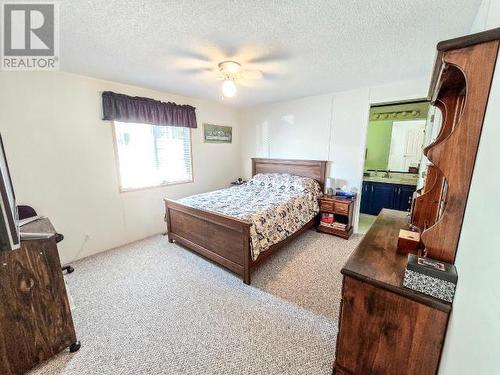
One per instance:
(126, 108)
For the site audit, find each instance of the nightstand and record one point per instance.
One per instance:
(341, 209)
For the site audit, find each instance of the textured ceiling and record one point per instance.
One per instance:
(302, 47)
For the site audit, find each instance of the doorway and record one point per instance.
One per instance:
(395, 135)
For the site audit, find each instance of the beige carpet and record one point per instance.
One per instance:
(156, 308)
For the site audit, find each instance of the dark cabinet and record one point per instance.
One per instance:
(365, 199)
(378, 195)
(382, 196)
(404, 197)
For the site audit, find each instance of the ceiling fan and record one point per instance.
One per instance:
(231, 72)
(245, 66)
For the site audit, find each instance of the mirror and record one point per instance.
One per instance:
(396, 136)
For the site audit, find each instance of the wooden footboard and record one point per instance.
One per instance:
(220, 238)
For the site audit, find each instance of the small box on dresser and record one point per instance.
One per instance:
(408, 241)
(436, 279)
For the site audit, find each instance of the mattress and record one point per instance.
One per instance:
(276, 206)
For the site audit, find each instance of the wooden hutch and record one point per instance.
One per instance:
(384, 327)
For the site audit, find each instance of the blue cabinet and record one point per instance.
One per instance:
(382, 196)
(404, 196)
(366, 198)
(378, 195)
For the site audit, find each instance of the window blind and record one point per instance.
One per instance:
(151, 155)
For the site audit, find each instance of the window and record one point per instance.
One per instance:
(150, 155)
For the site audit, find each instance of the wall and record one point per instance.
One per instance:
(473, 338)
(62, 160)
(327, 127)
(378, 144)
(488, 16)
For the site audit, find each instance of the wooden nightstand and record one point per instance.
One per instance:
(342, 209)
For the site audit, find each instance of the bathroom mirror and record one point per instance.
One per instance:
(396, 136)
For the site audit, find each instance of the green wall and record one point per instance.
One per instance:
(378, 144)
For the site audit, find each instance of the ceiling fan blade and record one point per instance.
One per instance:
(272, 76)
(251, 74)
(195, 70)
(270, 58)
(200, 73)
(192, 55)
(266, 79)
(246, 83)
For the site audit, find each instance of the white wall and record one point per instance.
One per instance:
(472, 344)
(62, 161)
(488, 16)
(326, 127)
(295, 129)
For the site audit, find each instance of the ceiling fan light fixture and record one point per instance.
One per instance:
(229, 88)
(229, 67)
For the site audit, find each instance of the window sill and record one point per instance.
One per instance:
(129, 190)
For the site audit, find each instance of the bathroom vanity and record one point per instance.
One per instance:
(391, 192)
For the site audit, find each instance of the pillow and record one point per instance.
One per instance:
(260, 179)
(285, 182)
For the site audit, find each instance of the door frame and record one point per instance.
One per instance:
(409, 99)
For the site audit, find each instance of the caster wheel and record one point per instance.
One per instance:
(68, 269)
(75, 347)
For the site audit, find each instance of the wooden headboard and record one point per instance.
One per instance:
(315, 169)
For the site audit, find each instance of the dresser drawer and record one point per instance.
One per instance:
(325, 205)
(381, 318)
(341, 208)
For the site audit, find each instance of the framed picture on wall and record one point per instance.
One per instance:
(217, 133)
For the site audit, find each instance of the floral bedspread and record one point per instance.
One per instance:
(277, 205)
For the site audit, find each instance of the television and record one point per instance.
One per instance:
(9, 221)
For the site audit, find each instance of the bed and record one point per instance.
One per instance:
(239, 227)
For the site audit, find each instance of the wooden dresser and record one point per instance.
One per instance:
(35, 316)
(385, 328)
